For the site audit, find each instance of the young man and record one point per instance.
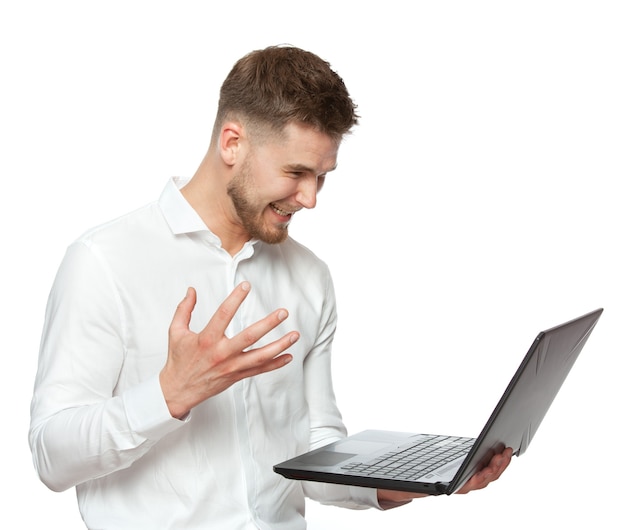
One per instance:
(180, 428)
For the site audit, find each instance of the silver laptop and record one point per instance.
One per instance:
(436, 464)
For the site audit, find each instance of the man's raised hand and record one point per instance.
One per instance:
(201, 365)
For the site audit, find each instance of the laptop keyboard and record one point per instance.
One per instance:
(415, 460)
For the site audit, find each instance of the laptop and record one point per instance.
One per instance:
(436, 464)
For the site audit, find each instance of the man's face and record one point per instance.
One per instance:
(279, 177)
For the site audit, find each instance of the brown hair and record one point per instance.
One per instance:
(272, 87)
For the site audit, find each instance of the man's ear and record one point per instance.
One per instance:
(231, 141)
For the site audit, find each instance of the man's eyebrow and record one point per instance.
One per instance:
(306, 169)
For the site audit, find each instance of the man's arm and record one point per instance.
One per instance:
(79, 429)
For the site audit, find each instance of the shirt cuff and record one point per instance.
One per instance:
(365, 496)
(147, 410)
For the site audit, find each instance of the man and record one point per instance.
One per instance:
(180, 429)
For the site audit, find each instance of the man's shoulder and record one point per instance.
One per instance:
(137, 223)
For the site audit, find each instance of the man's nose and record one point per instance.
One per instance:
(307, 192)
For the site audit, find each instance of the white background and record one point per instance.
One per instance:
(480, 201)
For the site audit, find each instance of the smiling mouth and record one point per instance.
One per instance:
(280, 211)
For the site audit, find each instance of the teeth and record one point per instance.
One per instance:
(279, 211)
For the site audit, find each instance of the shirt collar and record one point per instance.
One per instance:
(183, 219)
(178, 213)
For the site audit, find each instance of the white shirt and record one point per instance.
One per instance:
(98, 417)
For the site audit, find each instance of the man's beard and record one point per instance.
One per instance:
(240, 189)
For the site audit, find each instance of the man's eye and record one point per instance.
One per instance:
(320, 182)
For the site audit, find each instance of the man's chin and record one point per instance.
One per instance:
(272, 237)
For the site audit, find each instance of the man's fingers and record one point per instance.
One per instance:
(202, 365)
(259, 329)
(490, 473)
(265, 359)
(503, 461)
(226, 311)
(182, 315)
(214, 332)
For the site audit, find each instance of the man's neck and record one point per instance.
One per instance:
(208, 198)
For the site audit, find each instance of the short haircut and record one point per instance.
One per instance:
(270, 88)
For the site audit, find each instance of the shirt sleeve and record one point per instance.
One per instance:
(81, 428)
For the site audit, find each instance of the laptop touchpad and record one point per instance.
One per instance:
(349, 448)
(324, 458)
